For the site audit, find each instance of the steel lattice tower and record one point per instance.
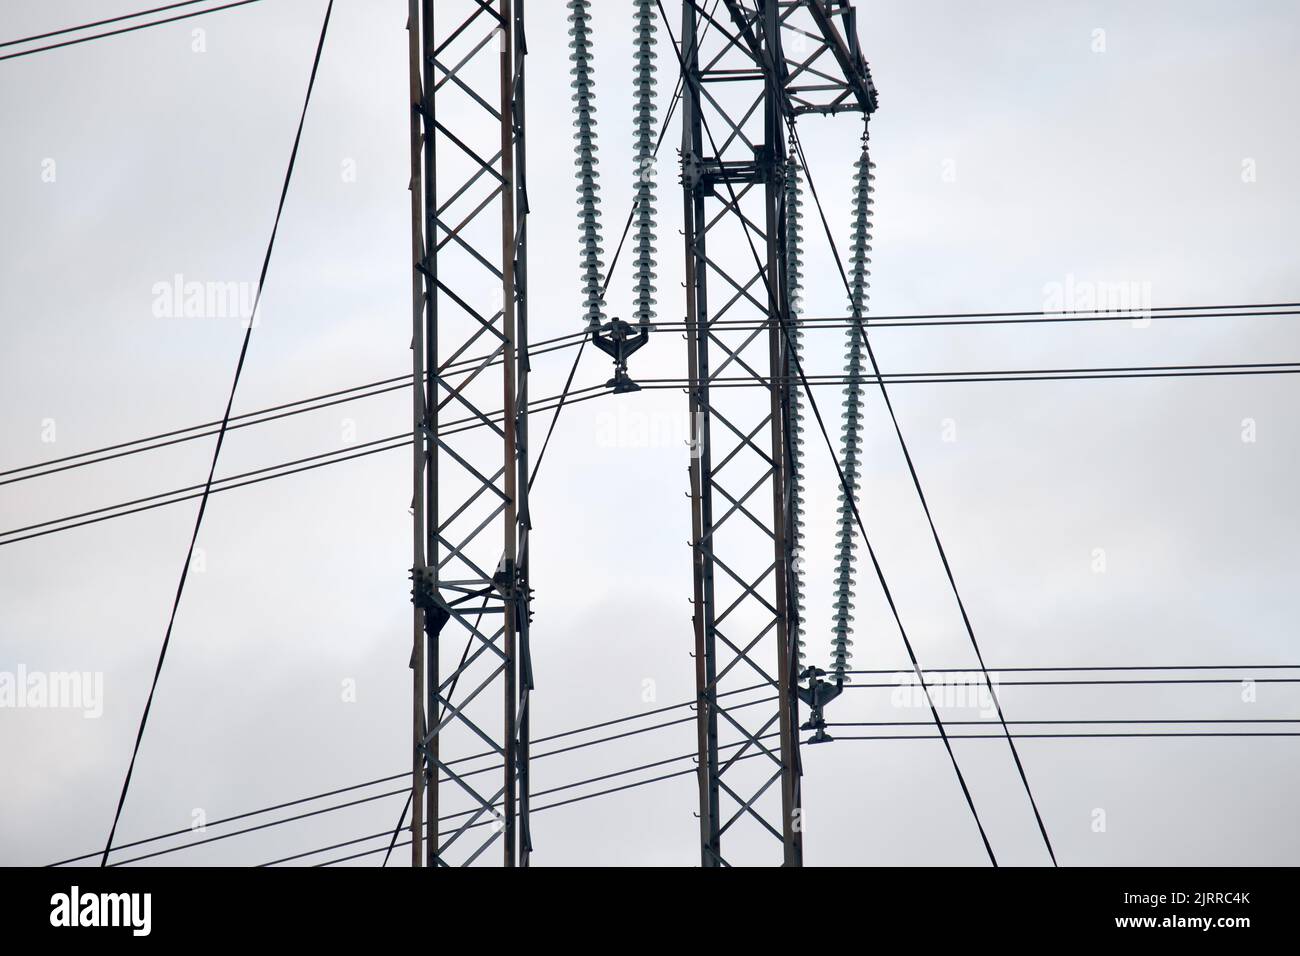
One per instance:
(741, 90)
(470, 657)
(469, 206)
(738, 480)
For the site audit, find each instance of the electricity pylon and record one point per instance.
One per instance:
(741, 89)
(470, 487)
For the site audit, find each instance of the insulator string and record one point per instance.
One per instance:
(584, 135)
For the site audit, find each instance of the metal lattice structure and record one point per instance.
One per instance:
(470, 502)
(731, 137)
(470, 656)
(750, 70)
(741, 90)
(821, 66)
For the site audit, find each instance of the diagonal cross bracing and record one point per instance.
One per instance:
(469, 251)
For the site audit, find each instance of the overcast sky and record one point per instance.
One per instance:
(1016, 147)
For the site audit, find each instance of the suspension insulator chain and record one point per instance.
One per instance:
(794, 295)
(851, 434)
(584, 135)
(643, 125)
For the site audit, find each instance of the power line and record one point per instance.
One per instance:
(189, 488)
(977, 377)
(463, 775)
(1088, 682)
(900, 723)
(1060, 722)
(466, 774)
(165, 439)
(1103, 667)
(400, 382)
(261, 826)
(397, 383)
(981, 319)
(111, 33)
(216, 453)
(256, 476)
(99, 23)
(257, 417)
(1131, 313)
(549, 806)
(1088, 736)
(594, 391)
(236, 817)
(671, 707)
(568, 786)
(564, 396)
(688, 771)
(578, 339)
(454, 762)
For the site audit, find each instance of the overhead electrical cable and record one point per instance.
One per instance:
(99, 23)
(256, 476)
(398, 383)
(300, 406)
(916, 481)
(216, 453)
(691, 770)
(117, 32)
(561, 735)
(187, 831)
(985, 319)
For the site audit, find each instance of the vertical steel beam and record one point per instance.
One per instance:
(733, 159)
(524, 522)
(505, 35)
(432, 659)
(418, 305)
(471, 489)
(701, 447)
(779, 362)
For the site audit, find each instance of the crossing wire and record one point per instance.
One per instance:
(260, 416)
(691, 770)
(568, 786)
(400, 382)
(916, 481)
(256, 476)
(393, 442)
(117, 32)
(1037, 317)
(1011, 375)
(99, 23)
(216, 453)
(600, 725)
(670, 707)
